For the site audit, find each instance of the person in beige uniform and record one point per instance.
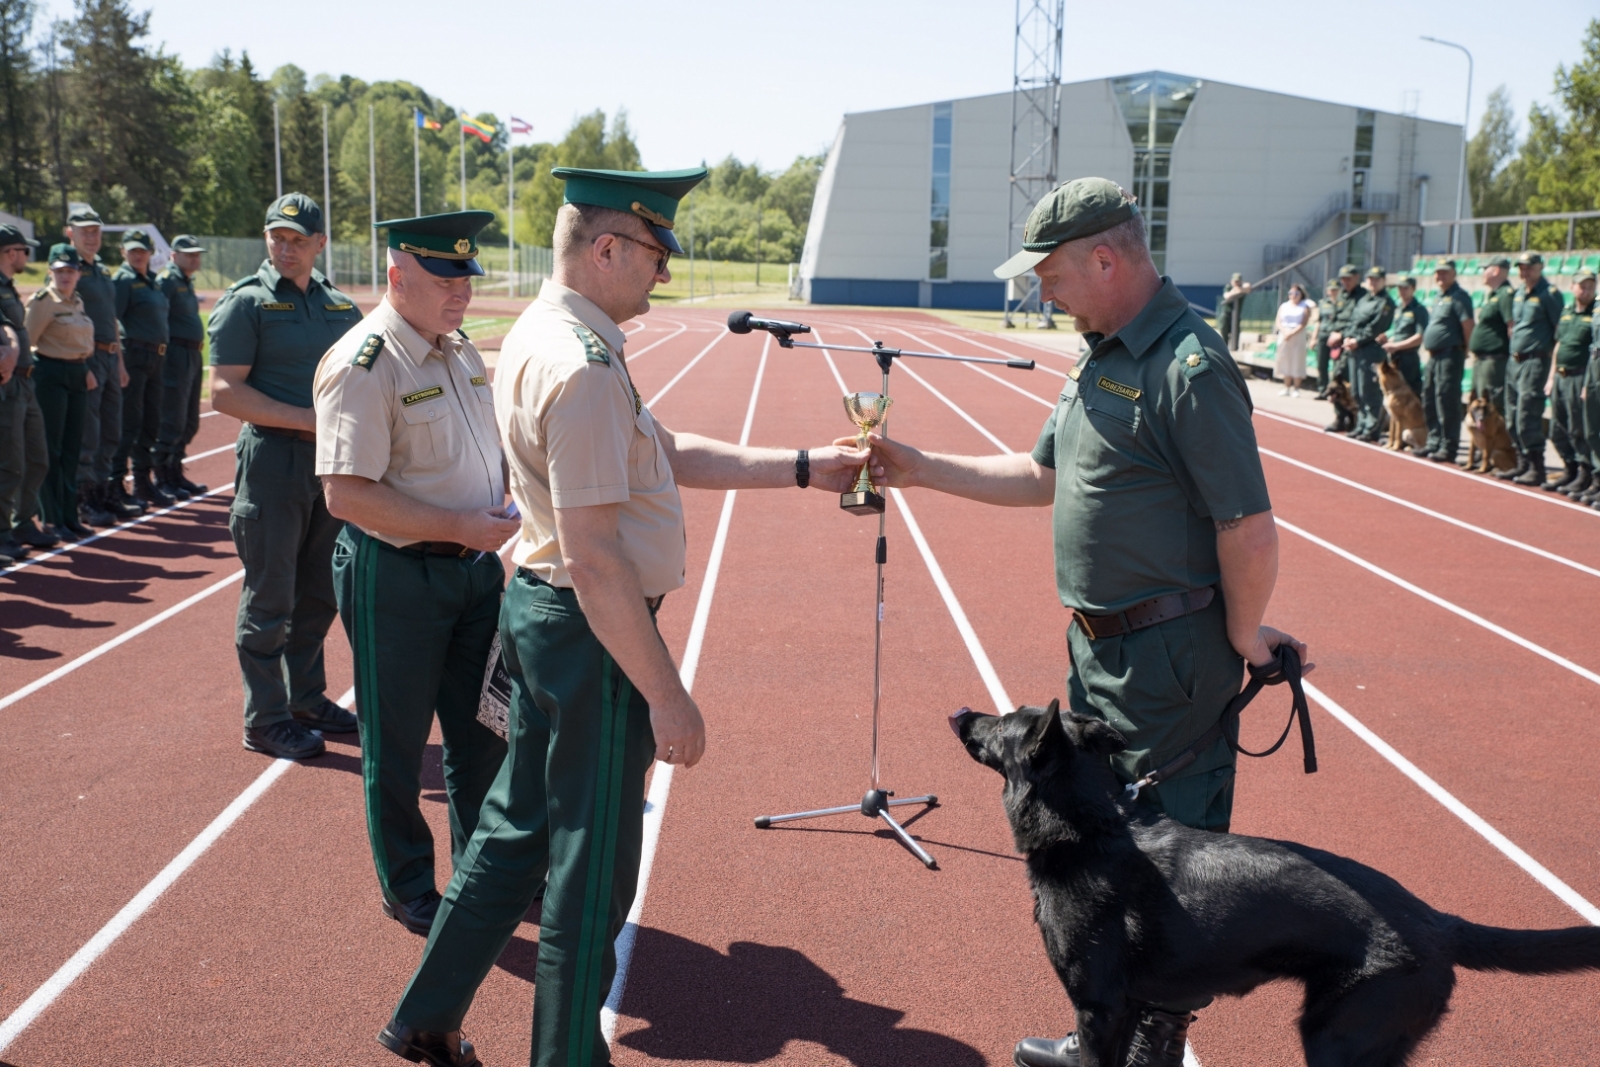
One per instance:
(410, 459)
(63, 340)
(594, 692)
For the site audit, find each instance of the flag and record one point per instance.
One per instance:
(481, 130)
(519, 126)
(425, 123)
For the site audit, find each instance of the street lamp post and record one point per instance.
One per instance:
(1461, 179)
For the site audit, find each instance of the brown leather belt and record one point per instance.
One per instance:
(105, 346)
(1570, 372)
(283, 431)
(146, 346)
(1144, 614)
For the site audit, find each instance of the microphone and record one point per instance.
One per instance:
(743, 322)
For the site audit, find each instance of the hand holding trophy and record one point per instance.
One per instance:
(868, 411)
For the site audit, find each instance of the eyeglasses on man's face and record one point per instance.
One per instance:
(662, 254)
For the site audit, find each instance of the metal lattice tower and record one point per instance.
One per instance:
(1035, 120)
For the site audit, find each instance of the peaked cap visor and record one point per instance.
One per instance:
(1020, 264)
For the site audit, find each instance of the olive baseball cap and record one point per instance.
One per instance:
(64, 255)
(1530, 259)
(1497, 261)
(446, 245)
(86, 216)
(1408, 281)
(1349, 270)
(1583, 276)
(136, 239)
(186, 242)
(1444, 264)
(1377, 272)
(1080, 208)
(295, 211)
(10, 235)
(653, 195)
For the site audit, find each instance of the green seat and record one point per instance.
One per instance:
(1470, 266)
(1592, 262)
(1478, 297)
(1573, 262)
(1424, 266)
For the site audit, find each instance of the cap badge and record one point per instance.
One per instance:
(1193, 360)
(290, 210)
(463, 246)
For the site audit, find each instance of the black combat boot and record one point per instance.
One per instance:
(119, 501)
(92, 510)
(1535, 474)
(1568, 476)
(1160, 1039)
(1518, 471)
(146, 492)
(175, 467)
(165, 482)
(1580, 485)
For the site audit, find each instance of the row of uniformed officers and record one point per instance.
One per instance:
(1528, 347)
(100, 379)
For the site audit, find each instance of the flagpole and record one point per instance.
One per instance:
(416, 156)
(327, 202)
(372, 188)
(277, 145)
(462, 132)
(511, 213)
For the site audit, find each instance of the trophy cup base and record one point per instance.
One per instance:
(862, 502)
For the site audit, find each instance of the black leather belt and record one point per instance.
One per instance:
(1144, 614)
(283, 431)
(55, 359)
(441, 548)
(105, 346)
(1570, 372)
(146, 346)
(651, 602)
(183, 342)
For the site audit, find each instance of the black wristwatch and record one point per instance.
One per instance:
(802, 469)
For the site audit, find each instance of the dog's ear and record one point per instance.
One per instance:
(1046, 735)
(1103, 739)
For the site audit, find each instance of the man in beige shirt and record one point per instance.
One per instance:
(594, 693)
(410, 459)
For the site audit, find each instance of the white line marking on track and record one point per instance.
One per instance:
(1540, 873)
(122, 638)
(95, 947)
(103, 534)
(661, 779)
(1456, 609)
(1442, 468)
(974, 368)
(1452, 520)
(1009, 355)
(635, 355)
(208, 414)
(687, 367)
(210, 452)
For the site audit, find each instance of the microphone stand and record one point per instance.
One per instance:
(877, 801)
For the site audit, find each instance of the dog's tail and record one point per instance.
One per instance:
(1493, 948)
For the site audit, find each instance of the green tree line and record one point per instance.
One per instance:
(1556, 167)
(90, 111)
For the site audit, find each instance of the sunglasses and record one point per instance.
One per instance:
(662, 254)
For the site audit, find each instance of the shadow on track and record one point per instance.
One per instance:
(745, 1006)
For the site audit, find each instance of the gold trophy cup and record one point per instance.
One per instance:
(867, 411)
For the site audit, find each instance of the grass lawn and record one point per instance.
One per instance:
(716, 279)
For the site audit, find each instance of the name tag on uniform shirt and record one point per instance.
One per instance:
(422, 394)
(139, 285)
(277, 307)
(1127, 392)
(478, 379)
(337, 307)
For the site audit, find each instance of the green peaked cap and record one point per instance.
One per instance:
(446, 245)
(652, 195)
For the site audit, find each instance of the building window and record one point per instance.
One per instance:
(1154, 106)
(939, 211)
(1361, 159)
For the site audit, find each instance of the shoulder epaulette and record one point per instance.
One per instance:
(368, 351)
(1191, 356)
(36, 296)
(251, 279)
(594, 349)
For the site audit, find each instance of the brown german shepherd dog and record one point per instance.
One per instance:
(1407, 424)
(1344, 407)
(1491, 444)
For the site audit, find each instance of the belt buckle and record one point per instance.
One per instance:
(464, 553)
(161, 350)
(1084, 624)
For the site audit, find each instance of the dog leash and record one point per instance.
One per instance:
(1284, 667)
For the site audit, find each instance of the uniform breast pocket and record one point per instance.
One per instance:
(431, 429)
(486, 398)
(645, 463)
(1108, 431)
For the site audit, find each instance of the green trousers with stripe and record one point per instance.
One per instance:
(420, 627)
(569, 801)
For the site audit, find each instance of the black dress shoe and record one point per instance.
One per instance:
(1043, 1052)
(77, 529)
(328, 717)
(415, 915)
(284, 740)
(428, 1046)
(14, 548)
(33, 537)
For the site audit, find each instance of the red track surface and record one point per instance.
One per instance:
(816, 942)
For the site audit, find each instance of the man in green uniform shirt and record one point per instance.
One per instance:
(142, 309)
(1535, 314)
(181, 369)
(1569, 423)
(416, 568)
(24, 457)
(1490, 339)
(268, 333)
(1444, 340)
(594, 694)
(103, 499)
(1325, 313)
(1369, 320)
(1402, 345)
(1344, 306)
(1165, 548)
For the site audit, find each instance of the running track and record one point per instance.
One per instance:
(172, 899)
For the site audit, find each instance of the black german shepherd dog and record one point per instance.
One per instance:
(1137, 909)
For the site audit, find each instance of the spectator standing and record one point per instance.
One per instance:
(268, 333)
(1232, 302)
(1291, 326)
(1403, 344)
(181, 371)
(1569, 426)
(142, 310)
(1322, 326)
(1491, 337)
(1535, 315)
(24, 459)
(1445, 340)
(103, 502)
(63, 344)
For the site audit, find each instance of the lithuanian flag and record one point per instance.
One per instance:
(425, 123)
(481, 130)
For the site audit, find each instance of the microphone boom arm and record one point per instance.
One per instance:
(885, 355)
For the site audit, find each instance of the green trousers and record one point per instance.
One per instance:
(1568, 425)
(24, 457)
(1591, 411)
(1489, 378)
(1525, 399)
(63, 393)
(285, 537)
(181, 376)
(1365, 388)
(569, 800)
(419, 627)
(141, 411)
(102, 421)
(1441, 399)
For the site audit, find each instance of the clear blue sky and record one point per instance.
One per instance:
(766, 81)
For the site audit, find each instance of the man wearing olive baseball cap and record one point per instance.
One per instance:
(1150, 462)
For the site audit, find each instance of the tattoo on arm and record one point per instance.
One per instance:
(1224, 525)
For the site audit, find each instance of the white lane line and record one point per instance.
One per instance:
(103, 534)
(1002, 352)
(1540, 873)
(1434, 598)
(122, 638)
(1443, 468)
(1452, 520)
(661, 780)
(210, 452)
(635, 355)
(974, 368)
(208, 414)
(687, 367)
(95, 947)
